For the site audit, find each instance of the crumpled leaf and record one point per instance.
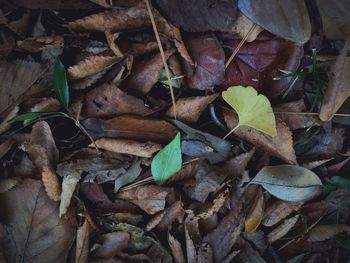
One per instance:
(253, 110)
(190, 109)
(338, 89)
(289, 182)
(167, 161)
(60, 83)
(201, 144)
(209, 57)
(280, 146)
(289, 19)
(200, 15)
(29, 215)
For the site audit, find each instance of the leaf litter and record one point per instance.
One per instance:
(113, 122)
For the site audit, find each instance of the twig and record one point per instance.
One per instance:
(309, 113)
(163, 56)
(240, 45)
(136, 184)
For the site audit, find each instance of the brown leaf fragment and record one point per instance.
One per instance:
(51, 183)
(36, 44)
(209, 58)
(145, 149)
(324, 232)
(5, 124)
(109, 101)
(282, 229)
(277, 210)
(8, 183)
(243, 25)
(68, 187)
(91, 66)
(256, 212)
(149, 198)
(205, 254)
(131, 127)
(82, 243)
(111, 244)
(53, 4)
(247, 253)
(236, 165)
(176, 249)
(190, 109)
(34, 230)
(145, 73)
(87, 82)
(338, 89)
(280, 146)
(46, 104)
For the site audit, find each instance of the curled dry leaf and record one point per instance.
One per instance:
(243, 26)
(91, 66)
(190, 109)
(109, 101)
(141, 149)
(36, 44)
(289, 182)
(209, 57)
(280, 146)
(68, 187)
(338, 89)
(82, 243)
(112, 243)
(131, 127)
(29, 216)
(145, 73)
(282, 229)
(324, 232)
(255, 214)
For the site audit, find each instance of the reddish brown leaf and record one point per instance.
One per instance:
(82, 243)
(255, 214)
(111, 244)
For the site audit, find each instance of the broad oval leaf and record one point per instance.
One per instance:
(60, 83)
(167, 161)
(253, 110)
(289, 182)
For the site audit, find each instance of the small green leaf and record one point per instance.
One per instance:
(167, 161)
(60, 84)
(31, 116)
(253, 110)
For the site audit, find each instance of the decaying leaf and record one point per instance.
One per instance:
(324, 232)
(255, 213)
(30, 215)
(289, 182)
(68, 187)
(280, 146)
(338, 89)
(36, 44)
(243, 26)
(82, 243)
(112, 243)
(282, 229)
(6, 124)
(176, 249)
(8, 183)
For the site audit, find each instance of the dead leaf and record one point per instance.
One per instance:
(176, 249)
(282, 229)
(280, 146)
(109, 101)
(111, 244)
(8, 183)
(209, 58)
(68, 187)
(36, 44)
(247, 253)
(131, 127)
(29, 216)
(236, 165)
(145, 73)
(255, 214)
(243, 25)
(5, 124)
(82, 243)
(324, 232)
(338, 89)
(53, 4)
(190, 109)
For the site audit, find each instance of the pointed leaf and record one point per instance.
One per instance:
(60, 83)
(289, 182)
(168, 161)
(253, 110)
(31, 116)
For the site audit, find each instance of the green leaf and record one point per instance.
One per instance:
(289, 182)
(31, 116)
(253, 110)
(167, 161)
(60, 84)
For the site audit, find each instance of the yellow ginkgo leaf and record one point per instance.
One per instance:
(253, 110)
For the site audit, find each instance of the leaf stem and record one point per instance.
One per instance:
(235, 128)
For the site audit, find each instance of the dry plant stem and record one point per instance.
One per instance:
(136, 184)
(163, 56)
(235, 128)
(309, 113)
(239, 46)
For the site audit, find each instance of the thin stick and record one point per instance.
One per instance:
(240, 45)
(163, 56)
(309, 113)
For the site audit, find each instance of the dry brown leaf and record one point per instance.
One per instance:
(109, 101)
(36, 44)
(6, 146)
(181, 48)
(280, 146)
(8, 183)
(218, 202)
(141, 149)
(282, 229)
(112, 243)
(87, 82)
(51, 183)
(237, 164)
(82, 243)
(91, 66)
(46, 104)
(324, 232)
(243, 25)
(145, 73)
(5, 124)
(176, 249)
(338, 89)
(277, 210)
(69, 184)
(256, 212)
(190, 109)
(111, 38)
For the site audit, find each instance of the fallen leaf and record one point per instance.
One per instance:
(8, 183)
(335, 18)
(289, 182)
(112, 243)
(167, 161)
(176, 249)
(36, 44)
(243, 26)
(53, 4)
(280, 146)
(338, 89)
(6, 122)
(129, 176)
(324, 232)
(255, 214)
(253, 110)
(131, 127)
(190, 109)
(209, 57)
(109, 101)
(289, 20)
(68, 187)
(82, 243)
(282, 229)
(247, 252)
(29, 216)
(200, 16)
